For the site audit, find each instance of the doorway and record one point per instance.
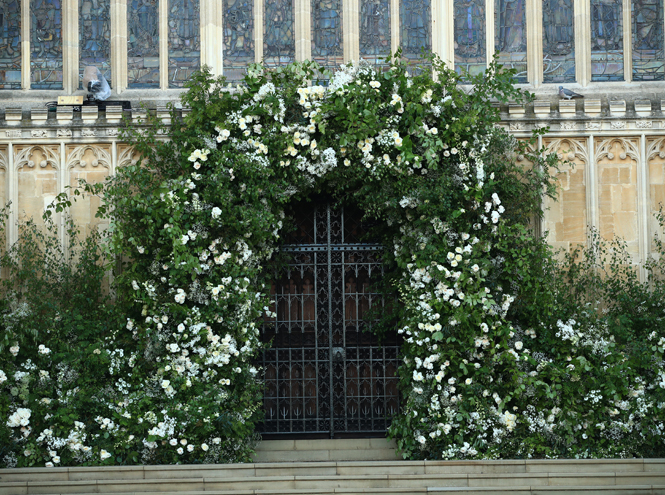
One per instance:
(326, 373)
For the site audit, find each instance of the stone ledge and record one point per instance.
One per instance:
(88, 115)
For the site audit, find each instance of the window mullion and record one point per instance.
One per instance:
(163, 44)
(303, 20)
(119, 73)
(582, 9)
(534, 45)
(627, 42)
(25, 44)
(70, 46)
(489, 30)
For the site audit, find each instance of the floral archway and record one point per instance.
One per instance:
(421, 154)
(487, 370)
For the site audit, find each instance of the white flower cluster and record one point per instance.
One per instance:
(21, 417)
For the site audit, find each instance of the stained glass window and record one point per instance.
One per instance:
(374, 30)
(95, 35)
(143, 44)
(238, 37)
(607, 40)
(510, 35)
(470, 36)
(327, 36)
(279, 43)
(184, 41)
(647, 26)
(558, 41)
(415, 27)
(46, 44)
(10, 44)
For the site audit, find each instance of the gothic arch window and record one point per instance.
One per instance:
(607, 40)
(143, 43)
(279, 45)
(470, 39)
(184, 41)
(558, 41)
(510, 35)
(327, 33)
(238, 37)
(10, 44)
(95, 36)
(325, 371)
(415, 27)
(375, 35)
(647, 26)
(46, 44)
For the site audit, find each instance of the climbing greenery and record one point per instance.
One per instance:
(497, 359)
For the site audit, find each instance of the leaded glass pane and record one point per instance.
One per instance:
(238, 37)
(648, 40)
(46, 44)
(327, 36)
(143, 44)
(415, 27)
(279, 43)
(607, 40)
(558, 41)
(95, 35)
(374, 30)
(470, 36)
(510, 35)
(10, 44)
(184, 41)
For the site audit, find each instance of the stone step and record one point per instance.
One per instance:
(520, 490)
(331, 483)
(353, 449)
(332, 469)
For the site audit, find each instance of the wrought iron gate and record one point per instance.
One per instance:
(325, 372)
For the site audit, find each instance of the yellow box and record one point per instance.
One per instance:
(70, 100)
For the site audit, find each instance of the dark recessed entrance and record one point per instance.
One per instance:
(326, 373)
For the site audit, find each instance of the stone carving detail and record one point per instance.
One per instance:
(127, 157)
(592, 125)
(77, 157)
(25, 157)
(620, 124)
(567, 126)
(604, 150)
(14, 134)
(656, 149)
(38, 133)
(112, 132)
(64, 133)
(577, 149)
(643, 124)
(516, 126)
(88, 133)
(3, 158)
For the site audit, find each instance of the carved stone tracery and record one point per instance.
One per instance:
(50, 156)
(101, 157)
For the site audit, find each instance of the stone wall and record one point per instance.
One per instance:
(612, 180)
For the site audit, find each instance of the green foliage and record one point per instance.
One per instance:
(493, 363)
(54, 317)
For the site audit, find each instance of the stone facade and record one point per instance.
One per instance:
(611, 51)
